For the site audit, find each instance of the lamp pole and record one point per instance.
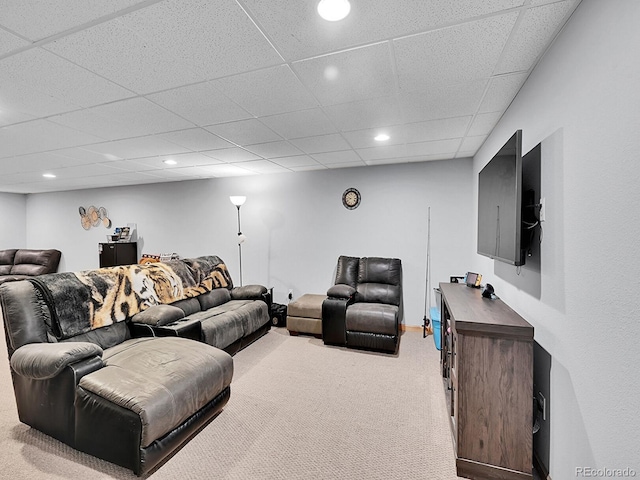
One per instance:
(238, 201)
(239, 243)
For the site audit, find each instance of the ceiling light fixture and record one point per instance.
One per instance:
(170, 162)
(383, 137)
(334, 10)
(48, 175)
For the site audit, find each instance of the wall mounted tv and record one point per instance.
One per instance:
(507, 212)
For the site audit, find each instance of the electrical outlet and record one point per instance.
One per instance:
(290, 296)
(542, 213)
(542, 405)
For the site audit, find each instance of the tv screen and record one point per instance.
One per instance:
(500, 204)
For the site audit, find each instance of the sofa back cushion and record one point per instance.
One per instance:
(187, 306)
(25, 313)
(380, 280)
(214, 298)
(35, 262)
(347, 271)
(6, 260)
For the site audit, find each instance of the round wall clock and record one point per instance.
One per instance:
(351, 198)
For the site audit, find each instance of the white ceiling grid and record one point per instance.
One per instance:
(100, 93)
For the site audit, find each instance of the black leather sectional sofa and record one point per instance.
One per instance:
(127, 363)
(18, 264)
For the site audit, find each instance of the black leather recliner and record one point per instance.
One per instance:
(363, 307)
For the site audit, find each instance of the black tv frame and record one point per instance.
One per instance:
(500, 204)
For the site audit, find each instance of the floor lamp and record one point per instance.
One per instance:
(238, 201)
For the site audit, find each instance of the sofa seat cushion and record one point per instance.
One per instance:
(227, 323)
(372, 318)
(162, 380)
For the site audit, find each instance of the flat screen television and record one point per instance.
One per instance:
(500, 204)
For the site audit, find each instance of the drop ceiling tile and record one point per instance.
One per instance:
(34, 161)
(125, 58)
(437, 129)
(349, 76)
(532, 36)
(263, 166)
(183, 160)
(216, 39)
(371, 113)
(226, 170)
(245, 132)
(384, 151)
(296, 161)
(64, 80)
(443, 102)
(449, 147)
(138, 147)
(79, 155)
(483, 123)
(79, 171)
(305, 123)
(39, 136)
(196, 139)
(19, 102)
(501, 92)
(10, 42)
(331, 158)
(346, 165)
(299, 32)
(37, 19)
(274, 149)
(472, 144)
(321, 143)
(203, 104)
(366, 138)
(124, 119)
(231, 155)
(308, 168)
(175, 174)
(452, 55)
(268, 91)
(9, 117)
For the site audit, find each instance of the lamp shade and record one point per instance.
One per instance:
(238, 200)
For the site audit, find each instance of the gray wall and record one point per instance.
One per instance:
(295, 224)
(582, 103)
(13, 209)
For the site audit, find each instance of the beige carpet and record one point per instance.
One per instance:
(298, 410)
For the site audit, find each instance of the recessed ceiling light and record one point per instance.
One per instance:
(48, 175)
(334, 10)
(383, 137)
(170, 162)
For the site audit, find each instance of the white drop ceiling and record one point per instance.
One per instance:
(100, 93)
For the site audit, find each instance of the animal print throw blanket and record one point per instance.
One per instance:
(83, 301)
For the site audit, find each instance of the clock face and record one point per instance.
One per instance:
(351, 198)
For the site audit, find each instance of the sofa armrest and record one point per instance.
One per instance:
(341, 290)
(249, 292)
(40, 361)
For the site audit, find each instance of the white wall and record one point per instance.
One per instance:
(583, 103)
(295, 224)
(13, 209)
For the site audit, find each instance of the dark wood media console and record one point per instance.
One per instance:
(487, 368)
